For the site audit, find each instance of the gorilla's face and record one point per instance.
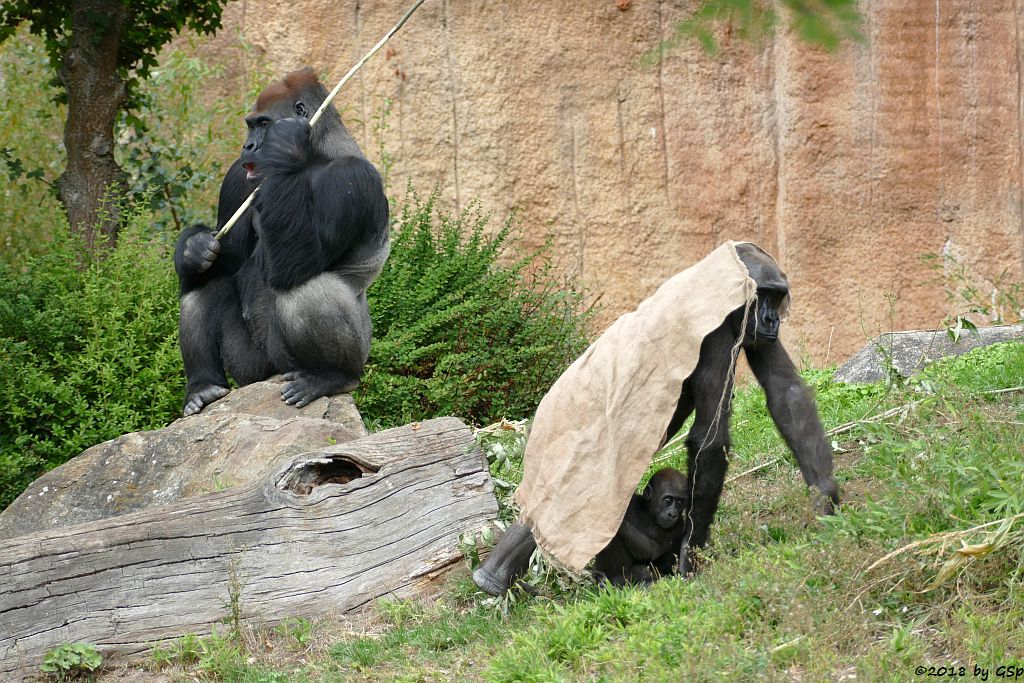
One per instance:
(666, 495)
(667, 511)
(764, 321)
(258, 122)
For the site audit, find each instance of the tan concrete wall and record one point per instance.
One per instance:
(847, 167)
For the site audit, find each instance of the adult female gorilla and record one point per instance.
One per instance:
(285, 292)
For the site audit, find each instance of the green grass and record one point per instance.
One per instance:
(783, 596)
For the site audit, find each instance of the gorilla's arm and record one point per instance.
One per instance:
(198, 256)
(639, 541)
(314, 212)
(359, 208)
(796, 416)
(684, 408)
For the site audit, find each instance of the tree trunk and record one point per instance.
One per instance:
(325, 533)
(92, 184)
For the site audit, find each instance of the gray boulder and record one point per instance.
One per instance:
(232, 442)
(912, 351)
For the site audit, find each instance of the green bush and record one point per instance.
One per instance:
(88, 351)
(174, 145)
(459, 328)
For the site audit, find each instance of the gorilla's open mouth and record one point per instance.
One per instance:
(250, 171)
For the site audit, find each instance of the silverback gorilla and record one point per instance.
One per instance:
(648, 539)
(707, 392)
(285, 292)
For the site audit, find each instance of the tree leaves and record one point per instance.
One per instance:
(150, 25)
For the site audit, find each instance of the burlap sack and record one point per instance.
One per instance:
(596, 430)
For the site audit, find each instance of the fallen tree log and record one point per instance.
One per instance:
(325, 533)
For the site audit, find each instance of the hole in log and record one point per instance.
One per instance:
(306, 476)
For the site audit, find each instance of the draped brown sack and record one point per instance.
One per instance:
(597, 429)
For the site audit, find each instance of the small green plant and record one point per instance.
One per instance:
(904, 641)
(219, 655)
(381, 125)
(298, 631)
(71, 660)
(186, 650)
(236, 583)
(894, 379)
(975, 300)
(361, 653)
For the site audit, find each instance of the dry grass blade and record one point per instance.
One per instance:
(966, 554)
(938, 544)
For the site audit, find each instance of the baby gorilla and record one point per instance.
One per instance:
(648, 540)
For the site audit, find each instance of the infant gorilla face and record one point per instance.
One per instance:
(667, 495)
(668, 511)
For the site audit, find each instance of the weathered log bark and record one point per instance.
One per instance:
(324, 534)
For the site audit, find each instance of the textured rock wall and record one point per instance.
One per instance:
(847, 167)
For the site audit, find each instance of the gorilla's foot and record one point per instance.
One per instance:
(507, 562)
(689, 564)
(488, 582)
(202, 396)
(305, 387)
(825, 499)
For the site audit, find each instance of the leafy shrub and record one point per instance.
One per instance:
(460, 330)
(166, 147)
(88, 351)
(174, 145)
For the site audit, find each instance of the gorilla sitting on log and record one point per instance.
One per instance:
(646, 544)
(707, 391)
(285, 291)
